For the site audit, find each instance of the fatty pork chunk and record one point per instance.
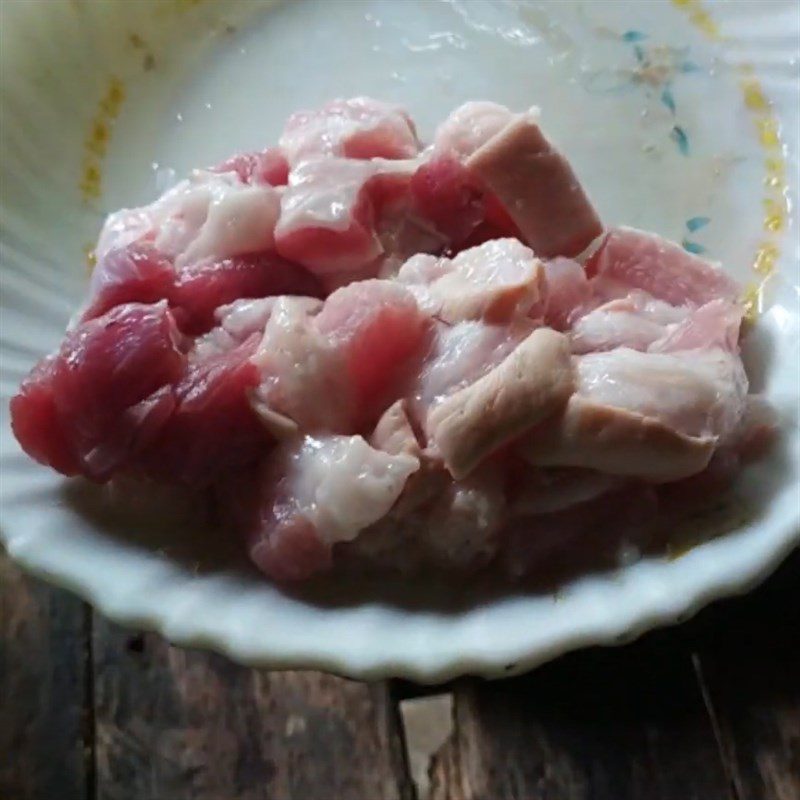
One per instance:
(204, 243)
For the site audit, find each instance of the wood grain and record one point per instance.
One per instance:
(182, 724)
(706, 711)
(709, 710)
(586, 727)
(42, 691)
(748, 659)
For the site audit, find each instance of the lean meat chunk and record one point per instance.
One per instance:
(382, 331)
(93, 407)
(212, 428)
(141, 273)
(135, 273)
(201, 288)
(446, 197)
(205, 243)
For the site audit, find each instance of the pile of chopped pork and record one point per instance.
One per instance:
(380, 355)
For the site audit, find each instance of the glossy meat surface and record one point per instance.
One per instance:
(380, 355)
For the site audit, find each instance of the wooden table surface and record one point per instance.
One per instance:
(709, 710)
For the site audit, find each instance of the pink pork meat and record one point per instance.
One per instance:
(335, 366)
(386, 357)
(207, 242)
(538, 189)
(645, 261)
(497, 281)
(315, 492)
(266, 166)
(95, 405)
(359, 128)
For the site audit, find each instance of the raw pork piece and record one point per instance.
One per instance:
(442, 210)
(616, 441)
(135, 273)
(567, 293)
(140, 273)
(330, 212)
(382, 332)
(445, 196)
(360, 128)
(699, 393)
(452, 197)
(336, 368)
(529, 385)
(378, 356)
(436, 524)
(496, 281)
(213, 428)
(316, 492)
(661, 268)
(266, 166)
(460, 355)
(209, 216)
(201, 288)
(343, 216)
(207, 242)
(714, 325)
(92, 407)
(470, 126)
(297, 368)
(121, 395)
(654, 416)
(636, 321)
(538, 189)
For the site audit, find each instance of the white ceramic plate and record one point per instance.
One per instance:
(681, 117)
